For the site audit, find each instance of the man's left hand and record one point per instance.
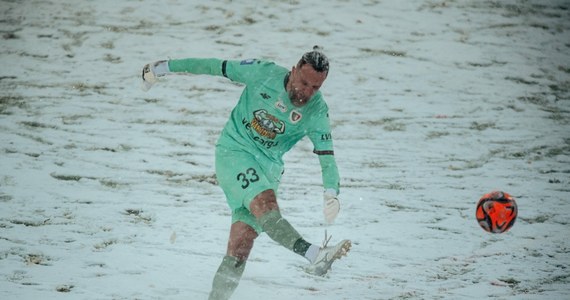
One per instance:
(331, 205)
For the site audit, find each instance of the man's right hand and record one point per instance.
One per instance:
(151, 72)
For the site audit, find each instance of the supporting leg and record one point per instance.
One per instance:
(227, 278)
(229, 273)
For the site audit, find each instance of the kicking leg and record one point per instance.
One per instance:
(265, 208)
(229, 273)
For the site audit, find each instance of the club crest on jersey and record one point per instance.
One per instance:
(295, 116)
(266, 124)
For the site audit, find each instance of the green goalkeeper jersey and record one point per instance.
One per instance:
(264, 121)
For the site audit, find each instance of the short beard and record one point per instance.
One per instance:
(295, 100)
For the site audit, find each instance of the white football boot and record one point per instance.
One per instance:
(326, 257)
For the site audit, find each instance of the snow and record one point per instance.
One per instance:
(107, 192)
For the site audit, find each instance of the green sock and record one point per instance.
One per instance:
(301, 247)
(227, 278)
(280, 230)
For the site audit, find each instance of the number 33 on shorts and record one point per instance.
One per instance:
(248, 177)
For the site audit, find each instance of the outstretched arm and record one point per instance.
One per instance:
(244, 71)
(198, 66)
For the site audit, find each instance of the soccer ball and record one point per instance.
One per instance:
(496, 212)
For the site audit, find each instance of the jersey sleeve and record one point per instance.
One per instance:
(248, 71)
(321, 137)
(244, 71)
(331, 178)
(197, 66)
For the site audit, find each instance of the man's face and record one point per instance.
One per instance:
(303, 83)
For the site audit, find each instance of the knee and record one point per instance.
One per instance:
(241, 241)
(241, 249)
(241, 254)
(263, 203)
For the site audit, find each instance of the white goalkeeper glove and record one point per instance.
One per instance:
(331, 205)
(151, 72)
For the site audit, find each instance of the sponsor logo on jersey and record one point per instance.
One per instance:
(247, 61)
(295, 116)
(266, 143)
(266, 124)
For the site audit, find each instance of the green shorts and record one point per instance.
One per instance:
(242, 176)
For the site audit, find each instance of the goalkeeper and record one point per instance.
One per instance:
(277, 108)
